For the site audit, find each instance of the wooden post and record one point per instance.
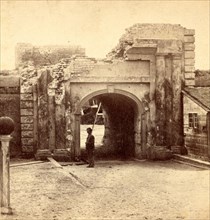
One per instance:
(5, 196)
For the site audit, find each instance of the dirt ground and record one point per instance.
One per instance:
(112, 190)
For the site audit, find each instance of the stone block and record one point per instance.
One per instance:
(26, 89)
(188, 32)
(27, 134)
(26, 104)
(43, 154)
(189, 82)
(9, 81)
(190, 75)
(3, 90)
(189, 54)
(27, 148)
(27, 127)
(26, 119)
(189, 46)
(9, 90)
(28, 111)
(189, 62)
(189, 39)
(161, 153)
(189, 68)
(27, 141)
(26, 96)
(176, 149)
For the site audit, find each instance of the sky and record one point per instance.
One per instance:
(96, 25)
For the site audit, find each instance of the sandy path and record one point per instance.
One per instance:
(113, 190)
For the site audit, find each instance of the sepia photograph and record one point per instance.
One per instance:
(105, 109)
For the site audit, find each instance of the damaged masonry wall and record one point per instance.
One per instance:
(151, 64)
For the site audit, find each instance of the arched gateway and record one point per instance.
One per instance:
(141, 78)
(135, 121)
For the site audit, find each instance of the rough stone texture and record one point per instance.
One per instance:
(60, 126)
(189, 82)
(189, 32)
(189, 75)
(27, 141)
(43, 111)
(51, 111)
(9, 106)
(189, 69)
(27, 148)
(27, 127)
(189, 46)
(26, 119)
(44, 55)
(26, 104)
(177, 77)
(10, 81)
(189, 62)
(168, 85)
(189, 54)
(160, 101)
(27, 97)
(197, 146)
(26, 111)
(189, 39)
(151, 32)
(145, 72)
(26, 89)
(27, 134)
(196, 100)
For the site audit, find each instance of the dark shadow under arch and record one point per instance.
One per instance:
(116, 91)
(137, 124)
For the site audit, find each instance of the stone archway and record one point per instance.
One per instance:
(137, 123)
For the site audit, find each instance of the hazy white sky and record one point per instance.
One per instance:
(96, 25)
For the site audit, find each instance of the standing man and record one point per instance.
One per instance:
(90, 146)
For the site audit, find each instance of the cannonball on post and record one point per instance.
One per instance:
(7, 126)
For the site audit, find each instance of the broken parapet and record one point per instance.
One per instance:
(44, 55)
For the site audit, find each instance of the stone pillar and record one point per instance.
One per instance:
(144, 133)
(51, 112)
(168, 100)
(160, 100)
(5, 195)
(152, 105)
(35, 115)
(27, 119)
(177, 102)
(189, 57)
(60, 122)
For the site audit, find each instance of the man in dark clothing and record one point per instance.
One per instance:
(90, 146)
